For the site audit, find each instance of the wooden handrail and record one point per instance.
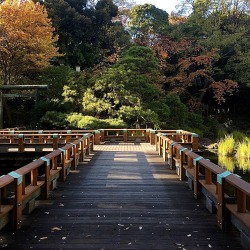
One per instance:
(183, 159)
(28, 185)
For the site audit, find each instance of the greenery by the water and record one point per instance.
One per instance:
(234, 153)
(235, 144)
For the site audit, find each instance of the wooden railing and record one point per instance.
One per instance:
(36, 141)
(20, 188)
(100, 136)
(226, 193)
(144, 135)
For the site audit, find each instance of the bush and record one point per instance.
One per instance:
(89, 122)
(226, 145)
(238, 136)
(54, 120)
(221, 133)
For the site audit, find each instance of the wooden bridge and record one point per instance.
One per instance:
(120, 195)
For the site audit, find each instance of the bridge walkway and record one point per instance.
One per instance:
(123, 196)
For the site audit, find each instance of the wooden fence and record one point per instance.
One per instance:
(20, 188)
(226, 193)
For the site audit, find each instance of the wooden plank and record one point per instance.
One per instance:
(124, 196)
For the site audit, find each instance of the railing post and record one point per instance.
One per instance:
(195, 141)
(102, 134)
(55, 141)
(157, 137)
(196, 176)
(125, 135)
(74, 155)
(163, 149)
(178, 137)
(182, 172)
(82, 155)
(47, 177)
(17, 222)
(87, 143)
(152, 137)
(171, 155)
(20, 143)
(147, 135)
(97, 137)
(221, 217)
(63, 161)
(241, 201)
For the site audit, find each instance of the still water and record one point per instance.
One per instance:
(237, 166)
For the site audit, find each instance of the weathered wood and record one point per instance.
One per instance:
(123, 197)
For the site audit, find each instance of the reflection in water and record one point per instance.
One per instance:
(244, 164)
(232, 164)
(229, 163)
(226, 162)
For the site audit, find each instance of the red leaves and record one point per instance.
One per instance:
(222, 88)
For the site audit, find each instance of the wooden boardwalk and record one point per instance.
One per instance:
(122, 197)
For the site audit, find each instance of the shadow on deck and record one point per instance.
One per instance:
(122, 197)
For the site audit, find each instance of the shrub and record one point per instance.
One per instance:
(238, 136)
(226, 145)
(243, 149)
(222, 133)
(53, 119)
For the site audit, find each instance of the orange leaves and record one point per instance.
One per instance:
(222, 88)
(26, 41)
(193, 63)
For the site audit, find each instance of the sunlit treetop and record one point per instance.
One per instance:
(26, 38)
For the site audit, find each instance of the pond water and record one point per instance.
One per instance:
(240, 167)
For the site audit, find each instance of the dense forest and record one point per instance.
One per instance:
(116, 64)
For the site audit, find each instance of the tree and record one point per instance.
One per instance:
(83, 28)
(146, 21)
(127, 89)
(26, 39)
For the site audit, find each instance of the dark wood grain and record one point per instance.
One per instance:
(122, 197)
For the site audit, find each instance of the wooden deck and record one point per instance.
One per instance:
(122, 197)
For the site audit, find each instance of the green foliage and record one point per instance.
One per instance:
(82, 27)
(126, 90)
(178, 112)
(55, 77)
(238, 135)
(79, 121)
(146, 21)
(54, 120)
(222, 133)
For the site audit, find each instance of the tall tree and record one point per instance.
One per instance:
(82, 27)
(146, 21)
(128, 89)
(26, 39)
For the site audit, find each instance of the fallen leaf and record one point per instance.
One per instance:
(56, 229)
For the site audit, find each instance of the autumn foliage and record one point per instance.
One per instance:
(26, 39)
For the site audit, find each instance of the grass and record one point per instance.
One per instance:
(226, 162)
(226, 145)
(243, 149)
